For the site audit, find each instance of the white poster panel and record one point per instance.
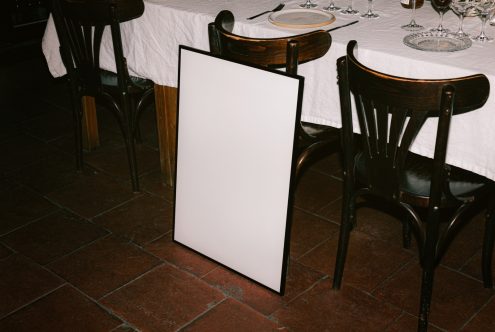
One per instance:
(234, 163)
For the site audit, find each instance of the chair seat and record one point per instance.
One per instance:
(109, 79)
(416, 182)
(316, 132)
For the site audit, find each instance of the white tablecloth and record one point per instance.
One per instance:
(151, 47)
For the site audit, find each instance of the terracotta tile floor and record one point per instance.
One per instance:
(80, 252)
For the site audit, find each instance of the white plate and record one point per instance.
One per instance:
(437, 41)
(301, 18)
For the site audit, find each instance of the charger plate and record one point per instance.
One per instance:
(437, 41)
(301, 18)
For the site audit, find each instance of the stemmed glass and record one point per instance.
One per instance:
(331, 7)
(370, 13)
(412, 25)
(308, 4)
(460, 7)
(485, 10)
(441, 6)
(349, 10)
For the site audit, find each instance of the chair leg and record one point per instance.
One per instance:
(131, 157)
(348, 218)
(425, 301)
(487, 253)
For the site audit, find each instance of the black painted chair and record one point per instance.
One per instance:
(80, 25)
(391, 111)
(313, 141)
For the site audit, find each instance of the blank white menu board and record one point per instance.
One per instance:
(235, 145)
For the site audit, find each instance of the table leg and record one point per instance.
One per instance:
(91, 139)
(166, 118)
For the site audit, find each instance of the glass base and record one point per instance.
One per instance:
(412, 26)
(370, 15)
(331, 8)
(308, 6)
(349, 11)
(439, 29)
(482, 39)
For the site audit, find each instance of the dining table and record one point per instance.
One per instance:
(151, 45)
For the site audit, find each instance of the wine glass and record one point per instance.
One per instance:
(370, 13)
(441, 6)
(460, 7)
(331, 7)
(412, 25)
(349, 10)
(485, 10)
(308, 4)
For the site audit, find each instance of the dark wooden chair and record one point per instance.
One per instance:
(80, 25)
(391, 111)
(314, 141)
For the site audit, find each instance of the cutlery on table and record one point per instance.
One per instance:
(342, 26)
(276, 9)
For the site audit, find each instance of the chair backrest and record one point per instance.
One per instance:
(391, 110)
(80, 25)
(282, 52)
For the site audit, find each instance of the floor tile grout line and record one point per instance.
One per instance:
(490, 299)
(317, 215)
(153, 268)
(133, 198)
(32, 301)
(84, 246)
(31, 222)
(470, 259)
(201, 315)
(307, 290)
(104, 308)
(412, 260)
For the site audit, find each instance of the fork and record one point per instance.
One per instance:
(276, 9)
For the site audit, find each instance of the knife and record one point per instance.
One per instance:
(341, 26)
(276, 9)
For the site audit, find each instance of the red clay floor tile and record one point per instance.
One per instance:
(124, 328)
(455, 297)
(330, 165)
(22, 150)
(104, 266)
(315, 190)
(92, 194)
(141, 220)
(332, 211)
(20, 206)
(369, 260)
(473, 266)
(4, 251)
(307, 232)
(154, 183)
(164, 299)
(484, 320)
(231, 315)
(180, 256)
(112, 159)
(466, 243)
(325, 309)
(53, 236)
(63, 310)
(299, 279)
(47, 175)
(408, 323)
(49, 125)
(22, 281)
